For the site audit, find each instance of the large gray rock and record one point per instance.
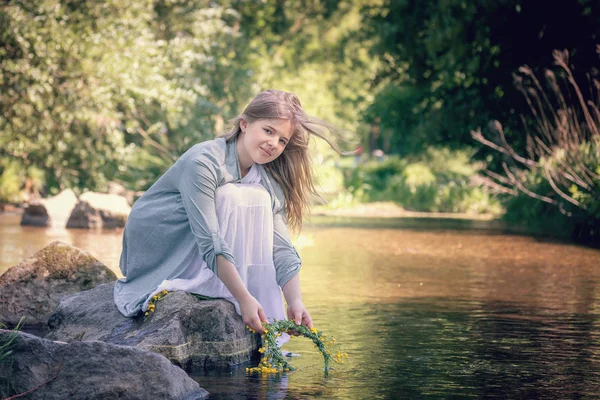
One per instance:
(99, 210)
(89, 370)
(53, 211)
(194, 334)
(33, 288)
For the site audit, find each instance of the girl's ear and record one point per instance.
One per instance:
(243, 125)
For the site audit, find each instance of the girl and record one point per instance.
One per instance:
(216, 223)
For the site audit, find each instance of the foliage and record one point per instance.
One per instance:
(92, 92)
(440, 180)
(14, 176)
(272, 360)
(116, 90)
(6, 346)
(578, 223)
(561, 166)
(10, 182)
(446, 64)
(141, 167)
(6, 349)
(81, 80)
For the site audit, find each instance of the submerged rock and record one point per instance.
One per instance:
(89, 370)
(52, 212)
(33, 288)
(99, 210)
(194, 334)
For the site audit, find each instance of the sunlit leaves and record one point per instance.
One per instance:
(81, 79)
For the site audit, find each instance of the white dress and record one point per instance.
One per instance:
(246, 224)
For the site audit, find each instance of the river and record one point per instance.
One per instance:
(424, 309)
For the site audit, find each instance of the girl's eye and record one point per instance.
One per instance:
(268, 131)
(283, 142)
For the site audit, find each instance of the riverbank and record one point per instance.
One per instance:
(9, 208)
(388, 209)
(388, 214)
(379, 209)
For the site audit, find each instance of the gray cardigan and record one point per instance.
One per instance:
(176, 219)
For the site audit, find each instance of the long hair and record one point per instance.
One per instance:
(293, 168)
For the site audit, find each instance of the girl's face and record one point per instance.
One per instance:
(263, 140)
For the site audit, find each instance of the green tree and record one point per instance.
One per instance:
(84, 84)
(447, 65)
(556, 181)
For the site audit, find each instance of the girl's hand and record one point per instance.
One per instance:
(252, 313)
(298, 313)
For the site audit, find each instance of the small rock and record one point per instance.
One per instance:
(99, 210)
(51, 212)
(89, 370)
(33, 288)
(194, 334)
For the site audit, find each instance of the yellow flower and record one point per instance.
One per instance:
(272, 361)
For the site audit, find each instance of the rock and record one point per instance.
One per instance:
(116, 188)
(99, 210)
(32, 289)
(90, 370)
(194, 334)
(52, 212)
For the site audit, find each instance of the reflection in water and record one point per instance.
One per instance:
(434, 349)
(422, 313)
(20, 242)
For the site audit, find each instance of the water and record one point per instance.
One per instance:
(427, 311)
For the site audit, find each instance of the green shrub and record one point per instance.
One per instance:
(13, 178)
(439, 180)
(568, 221)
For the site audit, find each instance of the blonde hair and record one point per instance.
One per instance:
(292, 170)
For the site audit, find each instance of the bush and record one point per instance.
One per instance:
(439, 180)
(561, 167)
(18, 181)
(581, 223)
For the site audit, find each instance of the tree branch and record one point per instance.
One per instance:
(560, 192)
(155, 144)
(522, 188)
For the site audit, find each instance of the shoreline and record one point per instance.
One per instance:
(388, 209)
(390, 215)
(380, 209)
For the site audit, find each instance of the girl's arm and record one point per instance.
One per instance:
(198, 185)
(296, 310)
(252, 312)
